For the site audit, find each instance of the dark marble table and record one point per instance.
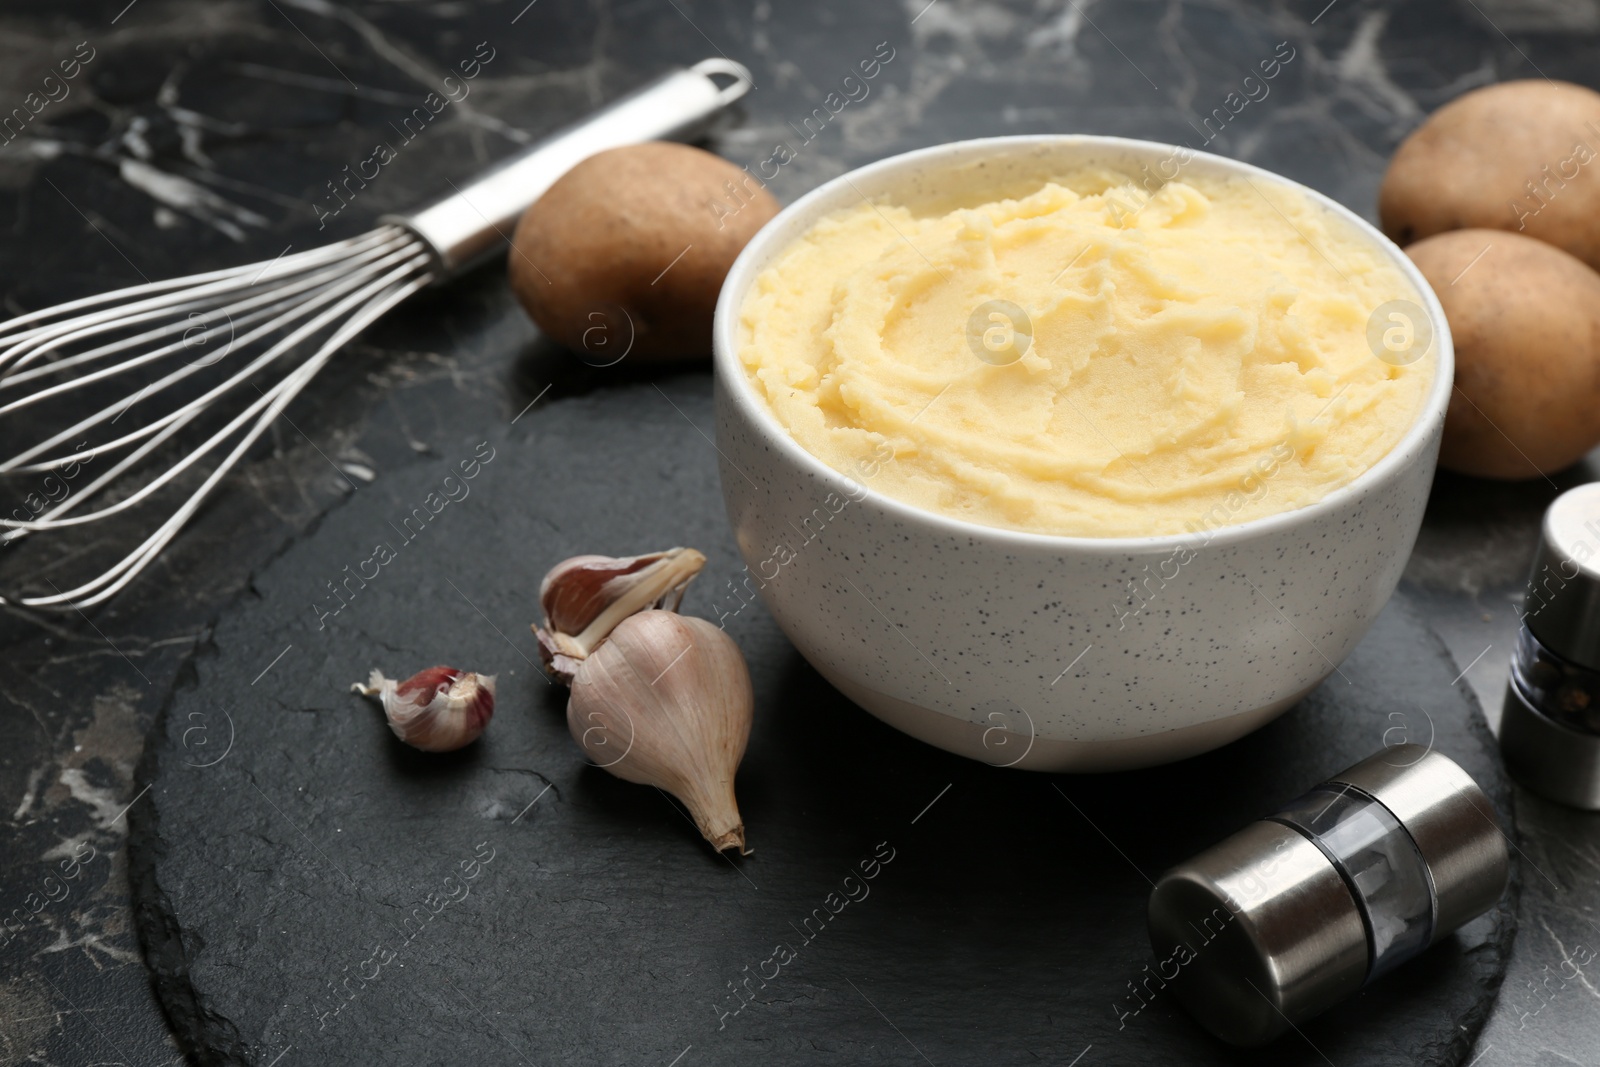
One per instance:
(251, 108)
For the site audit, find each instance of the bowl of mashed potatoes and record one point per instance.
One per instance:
(1074, 453)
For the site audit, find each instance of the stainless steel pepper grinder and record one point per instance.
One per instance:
(1550, 726)
(1296, 912)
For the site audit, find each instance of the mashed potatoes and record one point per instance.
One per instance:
(1088, 360)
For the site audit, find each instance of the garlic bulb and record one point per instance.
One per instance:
(440, 709)
(585, 597)
(666, 701)
(657, 698)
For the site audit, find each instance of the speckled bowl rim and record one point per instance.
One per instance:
(784, 228)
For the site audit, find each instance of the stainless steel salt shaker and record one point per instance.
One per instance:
(1296, 912)
(1550, 726)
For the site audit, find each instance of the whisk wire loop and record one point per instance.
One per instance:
(114, 579)
(265, 315)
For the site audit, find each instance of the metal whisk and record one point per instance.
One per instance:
(261, 332)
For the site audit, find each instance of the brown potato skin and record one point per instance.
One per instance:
(1469, 164)
(1526, 323)
(605, 231)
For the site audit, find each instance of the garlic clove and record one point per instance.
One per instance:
(585, 597)
(666, 701)
(573, 591)
(439, 709)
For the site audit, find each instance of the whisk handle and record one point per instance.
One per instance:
(477, 218)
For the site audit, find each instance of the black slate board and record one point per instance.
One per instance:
(294, 859)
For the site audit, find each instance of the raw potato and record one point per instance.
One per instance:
(601, 237)
(1526, 322)
(1470, 164)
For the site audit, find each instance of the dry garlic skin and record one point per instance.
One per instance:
(1193, 358)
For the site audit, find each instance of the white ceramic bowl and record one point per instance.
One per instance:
(1007, 646)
